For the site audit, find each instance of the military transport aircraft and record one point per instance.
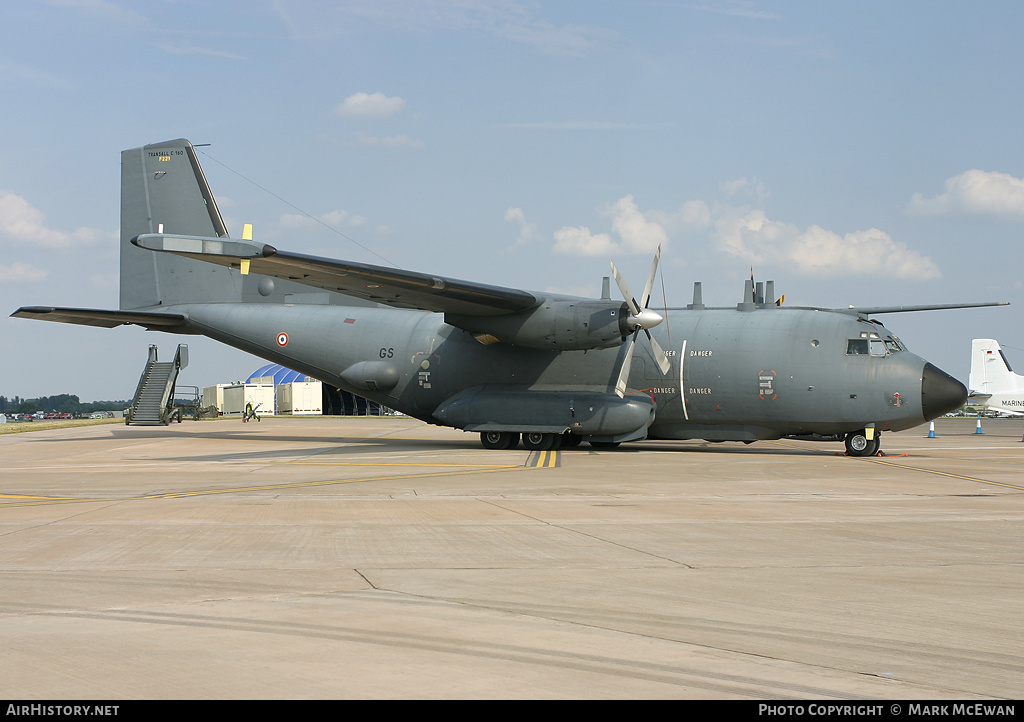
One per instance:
(549, 370)
(992, 382)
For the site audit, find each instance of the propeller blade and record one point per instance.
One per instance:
(659, 354)
(646, 298)
(634, 309)
(639, 315)
(627, 361)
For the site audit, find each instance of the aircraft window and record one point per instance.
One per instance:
(857, 346)
(893, 345)
(877, 347)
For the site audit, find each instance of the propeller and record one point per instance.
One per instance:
(640, 319)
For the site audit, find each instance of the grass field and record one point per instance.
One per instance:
(17, 427)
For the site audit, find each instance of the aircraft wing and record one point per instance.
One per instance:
(389, 286)
(870, 310)
(100, 317)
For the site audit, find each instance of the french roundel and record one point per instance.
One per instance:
(282, 339)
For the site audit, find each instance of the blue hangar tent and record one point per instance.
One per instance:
(335, 401)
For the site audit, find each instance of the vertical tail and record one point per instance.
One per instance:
(990, 371)
(162, 185)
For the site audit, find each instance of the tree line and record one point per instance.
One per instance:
(60, 404)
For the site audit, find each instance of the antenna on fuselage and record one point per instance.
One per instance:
(698, 298)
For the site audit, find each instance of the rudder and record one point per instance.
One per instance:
(163, 188)
(990, 371)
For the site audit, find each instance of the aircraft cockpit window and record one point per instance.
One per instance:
(871, 343)
(857, 346)
(893, 345)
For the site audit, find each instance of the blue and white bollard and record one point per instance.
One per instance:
(978, 429)
(931, 430)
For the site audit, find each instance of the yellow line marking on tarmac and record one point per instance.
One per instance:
(943, 473)
(374, 463)
(876, 460)
(24, 496)
(547, 459)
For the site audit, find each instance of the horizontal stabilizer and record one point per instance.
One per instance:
(201, 246)
(99, 317)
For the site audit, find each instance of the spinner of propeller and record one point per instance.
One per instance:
(640, 319)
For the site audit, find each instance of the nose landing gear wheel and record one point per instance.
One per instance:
(858, 444)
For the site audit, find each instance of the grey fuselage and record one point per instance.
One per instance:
(737, 375)
(502, 361)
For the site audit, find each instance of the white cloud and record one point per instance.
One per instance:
(755, 238)
(527, 231)
(581, 242)
(752, 188)
(820, 252)
(22, 223)
(637, 233)
(749, 234)
(975, 191)
(21, 273)
(691, 216)
(369, 105)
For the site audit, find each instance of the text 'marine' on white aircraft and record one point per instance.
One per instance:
(992, 382)
(513, 365)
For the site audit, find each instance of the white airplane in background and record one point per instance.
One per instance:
(993, 383)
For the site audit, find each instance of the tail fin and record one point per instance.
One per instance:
(990, 371)
(162, 185)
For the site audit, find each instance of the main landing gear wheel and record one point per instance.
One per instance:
(536, 441)
(499, 439)
(858, 444)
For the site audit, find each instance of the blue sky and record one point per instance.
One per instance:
(862, 153)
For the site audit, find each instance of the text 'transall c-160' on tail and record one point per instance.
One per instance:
(507, 363)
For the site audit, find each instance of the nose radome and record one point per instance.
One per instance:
(940, 393)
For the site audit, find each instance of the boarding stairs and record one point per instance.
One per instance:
(154, 398)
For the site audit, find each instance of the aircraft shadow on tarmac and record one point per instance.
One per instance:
(359, 443)
(316, 444)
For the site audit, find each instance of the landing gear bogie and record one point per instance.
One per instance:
(499, 440)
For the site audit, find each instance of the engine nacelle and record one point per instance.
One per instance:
(558, 325)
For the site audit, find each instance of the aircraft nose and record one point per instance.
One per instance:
(940, 393)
